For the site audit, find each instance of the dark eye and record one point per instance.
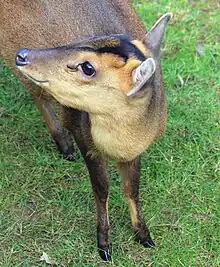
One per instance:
(88, 69)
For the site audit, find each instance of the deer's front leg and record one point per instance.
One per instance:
(130, 172)
(99, 179)
(62, 139)
(100, 184)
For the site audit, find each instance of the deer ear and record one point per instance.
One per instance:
(154, 37)
(141, 75)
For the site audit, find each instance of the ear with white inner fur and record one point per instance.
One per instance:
(141, 75)
(154, 37)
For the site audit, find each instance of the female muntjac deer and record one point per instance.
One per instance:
(108, 80)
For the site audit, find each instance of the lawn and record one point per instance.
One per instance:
(46, 203)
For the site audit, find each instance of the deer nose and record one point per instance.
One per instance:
(22, 57)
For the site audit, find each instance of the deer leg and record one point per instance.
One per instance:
(130, 173)
(60, 135)
(100, 184)
(99, 180)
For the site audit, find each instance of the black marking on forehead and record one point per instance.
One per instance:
(114, 44)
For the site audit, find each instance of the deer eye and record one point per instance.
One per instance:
(88, 69)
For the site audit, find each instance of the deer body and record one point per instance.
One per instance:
(110, 87)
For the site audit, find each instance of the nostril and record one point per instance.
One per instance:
(22, 57)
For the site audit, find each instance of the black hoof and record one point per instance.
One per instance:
(65, 146)
(105, 254)
(148, 244)
(70, 156)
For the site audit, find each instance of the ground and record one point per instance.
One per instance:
(46, 203)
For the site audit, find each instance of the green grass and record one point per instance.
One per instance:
(46, 203)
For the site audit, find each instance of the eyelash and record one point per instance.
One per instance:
(73, 68)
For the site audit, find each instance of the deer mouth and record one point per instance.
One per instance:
(36, 80)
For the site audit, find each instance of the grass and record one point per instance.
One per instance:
(46, 203)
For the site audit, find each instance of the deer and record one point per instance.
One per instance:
(96, 59)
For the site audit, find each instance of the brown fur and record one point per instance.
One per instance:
(104, 121)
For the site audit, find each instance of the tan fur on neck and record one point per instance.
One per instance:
(119, 140)
(125, 134)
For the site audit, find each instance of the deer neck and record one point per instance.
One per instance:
(124, 136)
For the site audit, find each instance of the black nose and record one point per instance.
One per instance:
(22, 57)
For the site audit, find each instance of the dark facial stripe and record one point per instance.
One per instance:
(115, 44)
(124, 50)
